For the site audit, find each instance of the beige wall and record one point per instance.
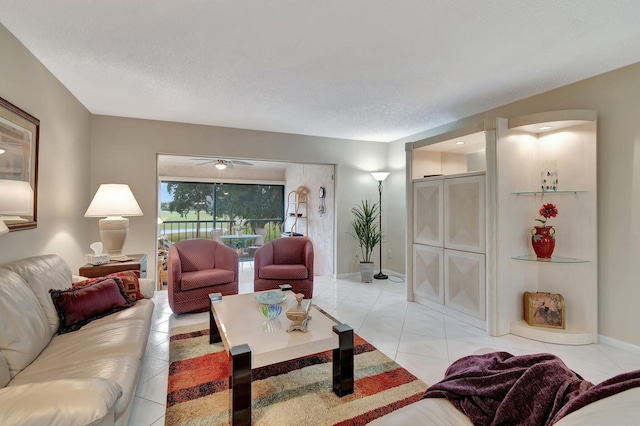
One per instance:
(394, 216)
(616, 98)
(63, 172)
(123, 150)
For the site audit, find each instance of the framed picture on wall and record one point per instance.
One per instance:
(19, 137)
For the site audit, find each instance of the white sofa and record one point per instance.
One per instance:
(84, 377)
(620, 410)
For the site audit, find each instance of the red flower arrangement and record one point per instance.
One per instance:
(548, 210)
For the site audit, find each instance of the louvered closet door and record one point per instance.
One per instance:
(464, 214)
(464, 275)
(428, 272)
(427, 212)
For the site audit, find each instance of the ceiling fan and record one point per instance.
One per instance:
(223, 164)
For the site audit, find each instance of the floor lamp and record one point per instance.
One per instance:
(380, 176)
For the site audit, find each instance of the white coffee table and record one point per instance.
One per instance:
(252, 341)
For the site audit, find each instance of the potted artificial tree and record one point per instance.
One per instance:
(368, 234)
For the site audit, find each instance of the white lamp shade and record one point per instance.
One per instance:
(113, 200)
(379, 176)
(16, 197)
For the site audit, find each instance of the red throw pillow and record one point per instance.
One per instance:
(130, 280)
(78, 306)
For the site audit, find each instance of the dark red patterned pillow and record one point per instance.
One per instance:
(78, 306)
(130, 280)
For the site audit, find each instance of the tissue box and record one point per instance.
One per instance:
(96, 259)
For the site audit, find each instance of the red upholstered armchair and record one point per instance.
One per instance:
(196, 268)
(286, 260)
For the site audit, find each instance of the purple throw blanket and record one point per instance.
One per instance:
(501, 389)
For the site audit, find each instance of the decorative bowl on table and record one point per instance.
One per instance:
(271, 311)
(271, 297)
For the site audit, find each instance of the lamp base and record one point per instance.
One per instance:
(380, 276)
(113, 233)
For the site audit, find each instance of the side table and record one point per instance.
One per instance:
(139, 263)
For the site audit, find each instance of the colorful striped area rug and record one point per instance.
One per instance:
(297, 392)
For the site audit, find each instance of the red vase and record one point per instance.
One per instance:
(543, 241)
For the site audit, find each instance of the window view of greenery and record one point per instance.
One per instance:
(193, 210)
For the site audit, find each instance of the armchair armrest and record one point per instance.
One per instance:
(262, 257)
(174, 266)
(226, 258)
(308, 258)
(61, 402)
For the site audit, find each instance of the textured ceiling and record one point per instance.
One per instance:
(375, 70)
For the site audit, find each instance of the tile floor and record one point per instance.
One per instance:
(423, 341)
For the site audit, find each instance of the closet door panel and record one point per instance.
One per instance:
(464, 214)
(428, 273)
(464, 275)
(427, 212)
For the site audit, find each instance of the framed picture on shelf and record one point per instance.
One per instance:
(544, 309)
(19, 137)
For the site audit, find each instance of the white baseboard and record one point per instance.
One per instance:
(384, 271)
(618, 344)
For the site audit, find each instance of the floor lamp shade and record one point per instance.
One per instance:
(379, 176)
(113, 201)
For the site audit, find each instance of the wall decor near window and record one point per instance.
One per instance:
(19, 134)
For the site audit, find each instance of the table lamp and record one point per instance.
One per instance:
(113, 201)
(16, 200)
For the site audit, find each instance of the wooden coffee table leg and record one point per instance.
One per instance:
(214, 333)
(343, 361)
(240, 385)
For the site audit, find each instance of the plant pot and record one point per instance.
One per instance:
(366, 271)
(543, 241)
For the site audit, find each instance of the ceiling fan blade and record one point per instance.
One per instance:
(204, 161)
(228, 163)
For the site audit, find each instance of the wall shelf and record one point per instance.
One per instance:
(545, 122)
(548, 192)
(514, 156)
(554, 259)
(561, 336)
(572, 144)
